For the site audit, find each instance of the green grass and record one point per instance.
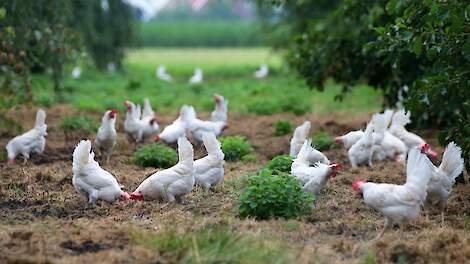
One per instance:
(213, 244)
(227, 71)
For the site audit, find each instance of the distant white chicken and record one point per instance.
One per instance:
(399, 121)
(221, 109)
(262, 72)
(313, 178)
(349, 139)
(171, 184)
(90, 180)
(177, 129)
(443, 178)
(198, 127)
(148, 121)
(161, 74)
(138, 125)
(197, 77)
(33, 141)
(399, 202)
(106, 136)
(209, 170)
(132, 125)
(363, 150)
(76, 72)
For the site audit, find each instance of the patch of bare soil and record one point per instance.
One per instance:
(43, 219)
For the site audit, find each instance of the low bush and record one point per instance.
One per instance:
(236, 148)
(322, 141)
(268, 195)
(282, 127)
(155, 155)
(264, 107)
(281, 163)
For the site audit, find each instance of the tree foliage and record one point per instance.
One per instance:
(416, 52)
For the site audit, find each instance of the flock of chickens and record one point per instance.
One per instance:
(197, 77)
(384, 138)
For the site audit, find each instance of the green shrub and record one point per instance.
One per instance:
(295, 104)
(282, 127)
(155, 155)
(235, 148)
(268, 195)
(281, 163)
(78, 123)
(322, 141)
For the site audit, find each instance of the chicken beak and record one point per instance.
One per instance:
(124, 197)
(137, 196)
(338, 140)
(432, 154)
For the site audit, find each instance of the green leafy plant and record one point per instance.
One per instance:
(155, 155)
(236, 148)
(269, 195)
(322, 141)
(281, 163)
(282, 127)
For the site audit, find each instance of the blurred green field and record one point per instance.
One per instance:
(197, 33)
(228, 71)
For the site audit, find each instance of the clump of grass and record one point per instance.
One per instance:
(281, 163)
(237, 148)
(213, 244)
(269, 195)
(17, 188)
(77, 127)
(282, 127)
(264, 107)
(155, 155)
(322, 141)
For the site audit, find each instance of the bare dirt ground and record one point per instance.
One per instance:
(43, 219)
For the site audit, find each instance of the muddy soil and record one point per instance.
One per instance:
(44, 220)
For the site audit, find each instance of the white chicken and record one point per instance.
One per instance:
(106, 136)
(262, 72)
(221, 109)
(197, 77)
(175, 130)
(313, 178)
(171, 184)
(90, 180)
(299, 137)
(399, 202)
(132, 125)
(443, 178)
(363, 150)
(399, 121)
(148, 121)
(161, 74)
(198, 127)
(33, 141)
(209, 170)
(76, 72)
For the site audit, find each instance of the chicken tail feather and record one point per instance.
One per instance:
(81, 154)
(452, 162)
(185, 152)
(40, 118)
(401, 118)
(212, 145)
(419, 170)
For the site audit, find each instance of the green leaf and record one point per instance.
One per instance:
(417, 46)
(3, 12)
